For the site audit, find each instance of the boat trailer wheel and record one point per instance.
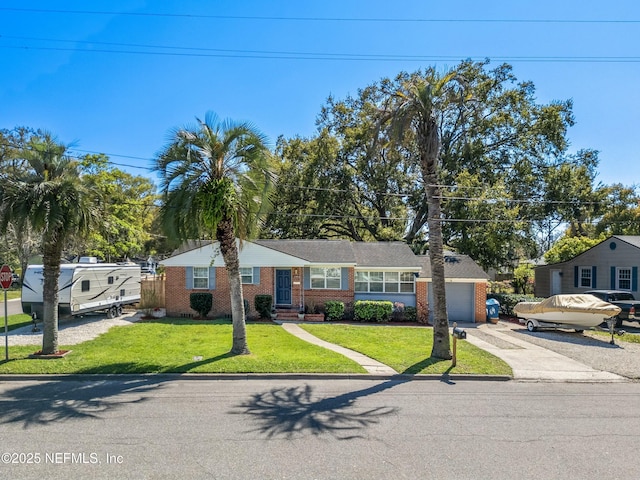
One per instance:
(531, 326)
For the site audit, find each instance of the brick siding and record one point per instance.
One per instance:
(422, 301)
(481, 303)
(177, 296)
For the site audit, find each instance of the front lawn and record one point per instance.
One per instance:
(18, 320)
(12, 293)
(407, 349)
(177, 346)
(195, 346)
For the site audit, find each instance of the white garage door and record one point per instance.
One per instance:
(460, 298)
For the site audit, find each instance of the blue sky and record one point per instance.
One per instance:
(66, 72)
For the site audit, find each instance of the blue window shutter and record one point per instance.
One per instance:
(613, 278)
(212, 278)
(634, 279)
(593, 277)
(189, 274)
(307, 278)
(256, 275)
(344, 278)
(575, 277)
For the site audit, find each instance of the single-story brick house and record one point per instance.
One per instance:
(311, 272)
(612, 264)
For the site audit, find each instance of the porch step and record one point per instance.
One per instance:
(287, 314)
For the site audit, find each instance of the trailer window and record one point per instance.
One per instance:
(86, 285)
(110, 280)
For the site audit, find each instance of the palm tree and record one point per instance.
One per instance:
(215, 179)
(49, 197)
(417, 106)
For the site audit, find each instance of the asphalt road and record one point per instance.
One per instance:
(160, 428)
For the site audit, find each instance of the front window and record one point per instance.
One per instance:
(391, 282)
(585, 277)
(624, 279)
(201, 277)
(326, 278)
(246, 273)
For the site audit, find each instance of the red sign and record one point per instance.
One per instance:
(6, 277)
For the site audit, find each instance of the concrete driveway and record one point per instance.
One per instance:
(557, 355)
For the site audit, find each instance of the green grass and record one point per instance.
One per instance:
(16, 321)
(171, 345)
(628, 337)
(12, 293)
(407, 349)
(183, 345)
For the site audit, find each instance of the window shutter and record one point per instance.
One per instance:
(189, 274)
(593, 277)
(575, 276)
(212, 278)
(634, 279)
(256, 275)
(344, 278)
(307, 278)
(613, 278)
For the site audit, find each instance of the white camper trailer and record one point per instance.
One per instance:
(85, 287)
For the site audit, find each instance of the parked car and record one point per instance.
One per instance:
(15, 279)
(625, 300)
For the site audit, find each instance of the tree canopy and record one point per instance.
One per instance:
(506, 175)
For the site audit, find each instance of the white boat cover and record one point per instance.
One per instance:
(569, 303)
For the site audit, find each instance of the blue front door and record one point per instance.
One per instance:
(283, 287)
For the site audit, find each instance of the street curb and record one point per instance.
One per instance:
(250, 376)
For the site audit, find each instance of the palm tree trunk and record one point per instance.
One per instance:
(429, 152)
(441, 347)
(229, 250)
(51, 274)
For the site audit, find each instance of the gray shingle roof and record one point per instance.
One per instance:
(455, 266)
(362, 254)
(316, 251)
(384, 254)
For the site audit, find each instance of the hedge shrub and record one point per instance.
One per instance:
(263, 305)
(410, 314)
(334, 310)
(373, 310)
(508, 301)
(201, 302)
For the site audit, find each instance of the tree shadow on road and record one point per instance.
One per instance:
(296, 411)
(71, 398)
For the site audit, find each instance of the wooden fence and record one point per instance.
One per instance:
(152, 292)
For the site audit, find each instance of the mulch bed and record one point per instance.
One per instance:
(42, 356)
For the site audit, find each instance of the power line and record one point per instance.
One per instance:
(219, 50)
(119, 156)
(325, 19)
(345, 57)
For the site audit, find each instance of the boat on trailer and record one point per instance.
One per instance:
(576, 311)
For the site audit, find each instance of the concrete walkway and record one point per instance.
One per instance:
(531, 362)
(369, 364)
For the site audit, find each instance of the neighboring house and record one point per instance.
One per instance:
(612, 264)
(309, 273)
(465, 285)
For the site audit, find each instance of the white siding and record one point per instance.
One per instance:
(251, 255)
